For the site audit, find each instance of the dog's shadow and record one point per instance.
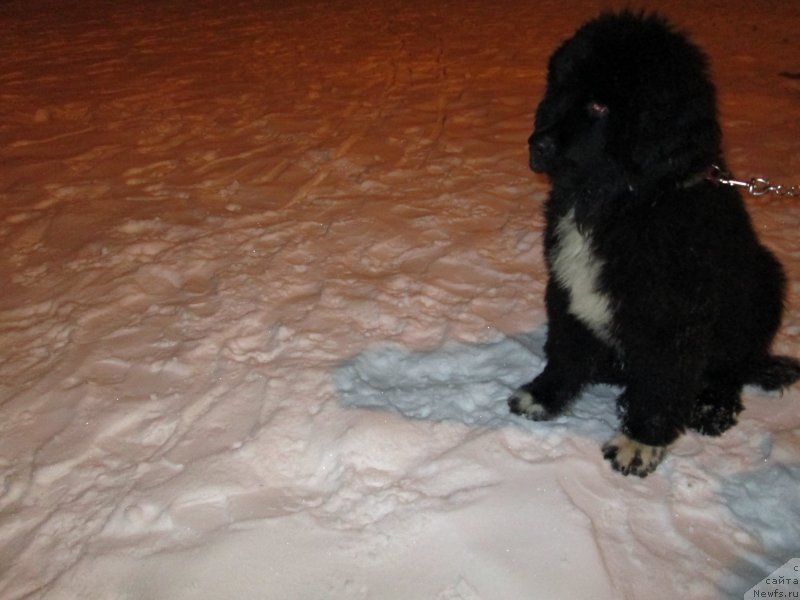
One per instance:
(465, 383)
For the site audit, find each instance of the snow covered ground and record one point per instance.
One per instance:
(269, 271)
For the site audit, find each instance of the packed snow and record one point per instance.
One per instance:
(270, 270)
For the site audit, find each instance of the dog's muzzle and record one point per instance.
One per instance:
(541, 149)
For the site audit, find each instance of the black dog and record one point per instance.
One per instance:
(657, 280)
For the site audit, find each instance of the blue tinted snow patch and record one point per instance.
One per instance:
(767, 504)
(458, 382)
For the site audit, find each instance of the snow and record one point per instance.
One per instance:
(269, 272)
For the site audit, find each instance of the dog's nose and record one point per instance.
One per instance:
(542, 149)
(543, 146)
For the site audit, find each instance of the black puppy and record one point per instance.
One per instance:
(657, 280)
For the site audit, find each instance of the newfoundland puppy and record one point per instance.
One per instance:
(657, 281)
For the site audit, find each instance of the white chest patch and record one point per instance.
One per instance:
(577, 268)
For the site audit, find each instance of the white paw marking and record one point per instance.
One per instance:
(526, 406)
(630, 457)
(577, 268)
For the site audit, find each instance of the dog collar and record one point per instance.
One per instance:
(709, 174)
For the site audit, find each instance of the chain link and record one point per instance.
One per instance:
(757, 186)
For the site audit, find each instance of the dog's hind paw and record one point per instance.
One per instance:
(523, 403)
(630, 457)
(777, 373)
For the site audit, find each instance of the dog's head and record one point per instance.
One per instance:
(628, 101)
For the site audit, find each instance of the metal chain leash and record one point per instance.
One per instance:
(757, 186)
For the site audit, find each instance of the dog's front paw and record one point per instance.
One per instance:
(716, 410)
(711, 420)
(523, 403)
(630, 457)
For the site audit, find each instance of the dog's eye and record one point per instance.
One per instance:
(596, 109)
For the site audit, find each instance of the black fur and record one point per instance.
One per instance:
(683, 300)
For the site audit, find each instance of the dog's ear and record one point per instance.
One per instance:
(672, 133)
(675, 138)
